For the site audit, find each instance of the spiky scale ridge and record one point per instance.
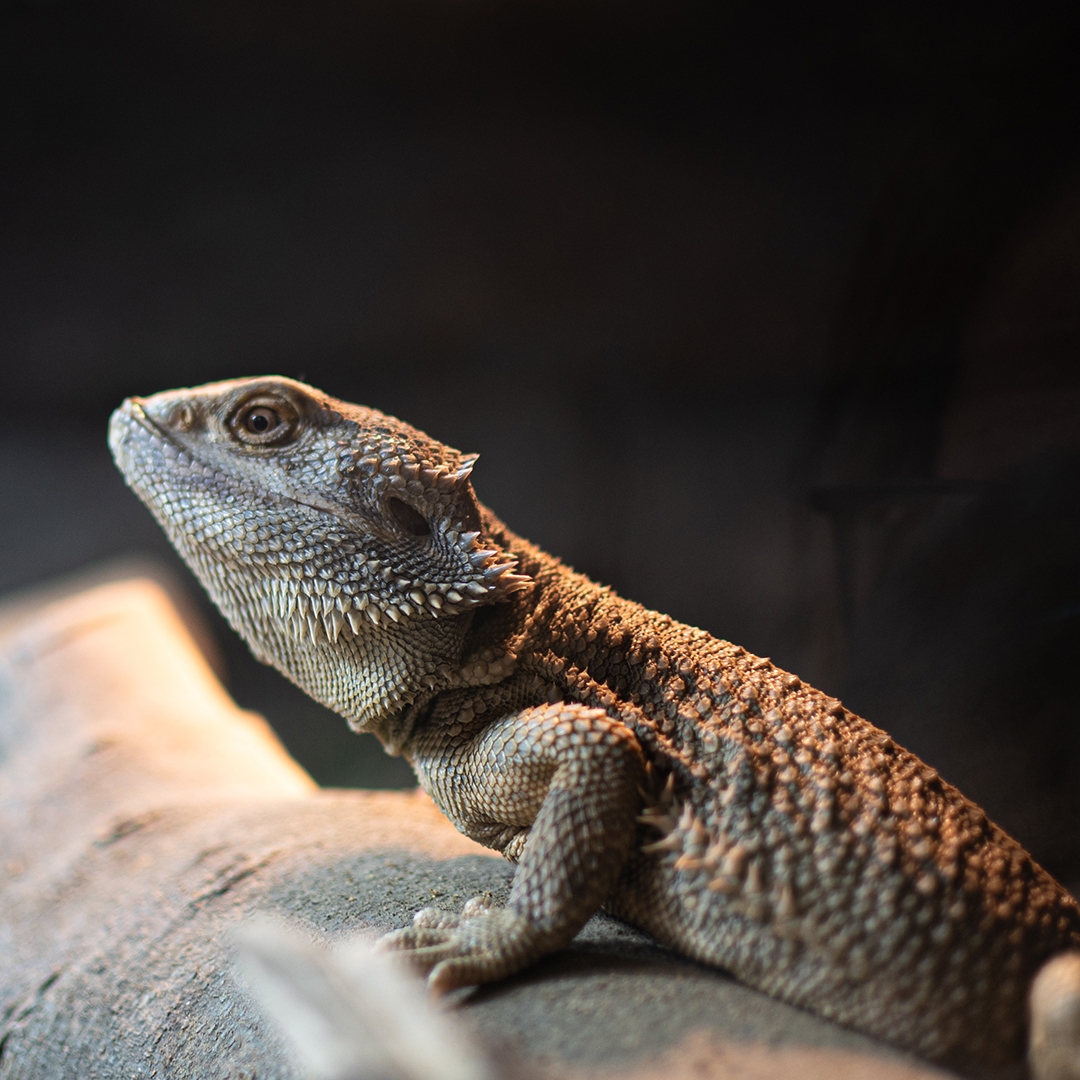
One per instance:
(619, 757)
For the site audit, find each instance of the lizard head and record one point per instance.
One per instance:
(342, 544)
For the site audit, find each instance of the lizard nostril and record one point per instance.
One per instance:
(181, 417)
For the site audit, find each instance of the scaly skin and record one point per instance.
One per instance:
(618, 757)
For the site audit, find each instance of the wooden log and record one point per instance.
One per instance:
(143, 817)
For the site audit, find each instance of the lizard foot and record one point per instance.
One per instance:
(480, 945)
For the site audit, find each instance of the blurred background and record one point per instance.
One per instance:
(767, 316)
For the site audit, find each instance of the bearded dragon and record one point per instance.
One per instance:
(618, 757)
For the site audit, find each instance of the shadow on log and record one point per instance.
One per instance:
(144, 817)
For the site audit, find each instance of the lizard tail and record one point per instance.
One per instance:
(1054, 1004)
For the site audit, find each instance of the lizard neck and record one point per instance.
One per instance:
(395, 730)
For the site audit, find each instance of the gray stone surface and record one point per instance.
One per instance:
(143, 817)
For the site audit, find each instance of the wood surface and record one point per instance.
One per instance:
(143, 817)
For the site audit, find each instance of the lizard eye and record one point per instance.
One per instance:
(260, 423)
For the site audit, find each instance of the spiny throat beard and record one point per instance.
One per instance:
(362, 672)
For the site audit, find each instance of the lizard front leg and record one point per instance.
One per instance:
(557, 789)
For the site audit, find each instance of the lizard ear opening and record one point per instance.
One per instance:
(411, 520)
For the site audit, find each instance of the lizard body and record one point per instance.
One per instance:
(620, 758)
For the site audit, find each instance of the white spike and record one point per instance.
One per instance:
(372, 613)
(468, 463)
(334, 621)
(356, 621)
(514, 582)
(391, 612)
(286, 601)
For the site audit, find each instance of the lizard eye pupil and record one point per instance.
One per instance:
(261, 420)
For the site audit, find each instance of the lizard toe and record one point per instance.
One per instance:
(411, 938)
(477, 905)
(436, 919)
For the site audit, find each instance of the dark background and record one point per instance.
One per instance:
(766, 316)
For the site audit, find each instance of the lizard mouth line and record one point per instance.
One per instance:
(134, 410)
